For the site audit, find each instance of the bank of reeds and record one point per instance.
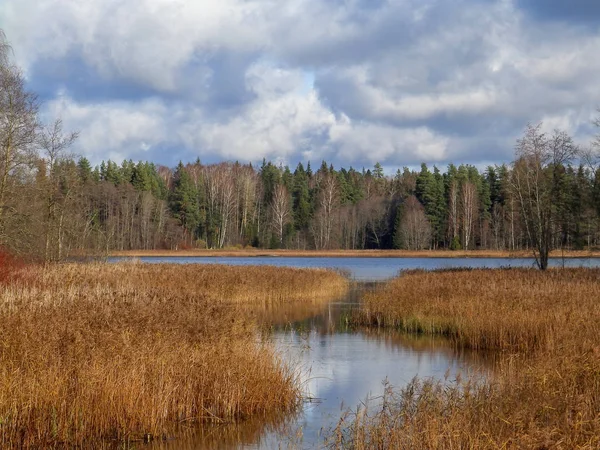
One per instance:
(90, 353)
(511, 309)
(545, 392)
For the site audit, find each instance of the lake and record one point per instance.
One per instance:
(370, 269)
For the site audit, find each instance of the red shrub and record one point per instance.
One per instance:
(10, 266)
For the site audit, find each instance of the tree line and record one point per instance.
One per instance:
(60, 206)
(53, 204)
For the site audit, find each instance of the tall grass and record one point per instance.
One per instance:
(527, 405)
(112, 352)
(545, 392)
(511, 309)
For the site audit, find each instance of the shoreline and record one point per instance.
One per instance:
(250, 253)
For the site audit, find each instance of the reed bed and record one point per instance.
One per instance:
(98, 352)
(510, 309)
(544, 393)
(540, 405)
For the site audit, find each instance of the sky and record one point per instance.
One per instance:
(352, 82)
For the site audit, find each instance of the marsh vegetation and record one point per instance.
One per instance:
(544, 392)
(98, 352)
(102, 354)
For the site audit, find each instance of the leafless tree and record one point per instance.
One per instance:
(590, 156)
(415, 229)
(377, 214)
(246, 182)
(60, 186)
(468, 200)
(18, 131)
(535, 183)
(281, 211)
(324, 220)
(221, 201)
(227, 201)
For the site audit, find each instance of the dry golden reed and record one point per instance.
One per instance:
(543, 395)
(510, 309)
(97, 352)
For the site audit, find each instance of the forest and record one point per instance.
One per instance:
(62, 206)
(54, 204)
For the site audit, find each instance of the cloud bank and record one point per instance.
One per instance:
(350, 81)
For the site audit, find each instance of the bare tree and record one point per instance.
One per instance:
(246, 182)
(281, 211)
(535, 184)
(468, 200)
(18, 130)
(415, 229)
(4, 49)
(377, 223)
(590, 156)
(323, 222)
(221, 202)
(227, 201)
(59, 186)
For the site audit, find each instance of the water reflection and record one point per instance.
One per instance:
(340, 367)
(248, 434)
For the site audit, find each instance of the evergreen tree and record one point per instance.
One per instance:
(596, 191)
(378, 171)
(426, 193)
(84, 169)
(301, 199)
(184, 201)
(141, 178)
(438, 214)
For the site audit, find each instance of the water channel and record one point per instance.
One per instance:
(342, 368)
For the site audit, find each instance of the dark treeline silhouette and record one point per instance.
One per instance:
(53, 204)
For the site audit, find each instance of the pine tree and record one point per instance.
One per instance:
(426, 193)
(141, 178)
(301, 199)
(184, 201)
(84, 169)
(378, 171)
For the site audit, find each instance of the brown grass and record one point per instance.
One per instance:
(253, 252)
(545, 396)
(512, 309)
(90, 353)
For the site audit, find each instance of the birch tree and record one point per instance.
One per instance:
(281, 212)
(60, 187)
(535, 181)
(18, 131)
(468, 198)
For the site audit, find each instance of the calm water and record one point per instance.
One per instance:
(341, 368)
(370, 269)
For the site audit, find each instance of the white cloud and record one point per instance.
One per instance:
(112, 130)
(395, 81)
(373, 143)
